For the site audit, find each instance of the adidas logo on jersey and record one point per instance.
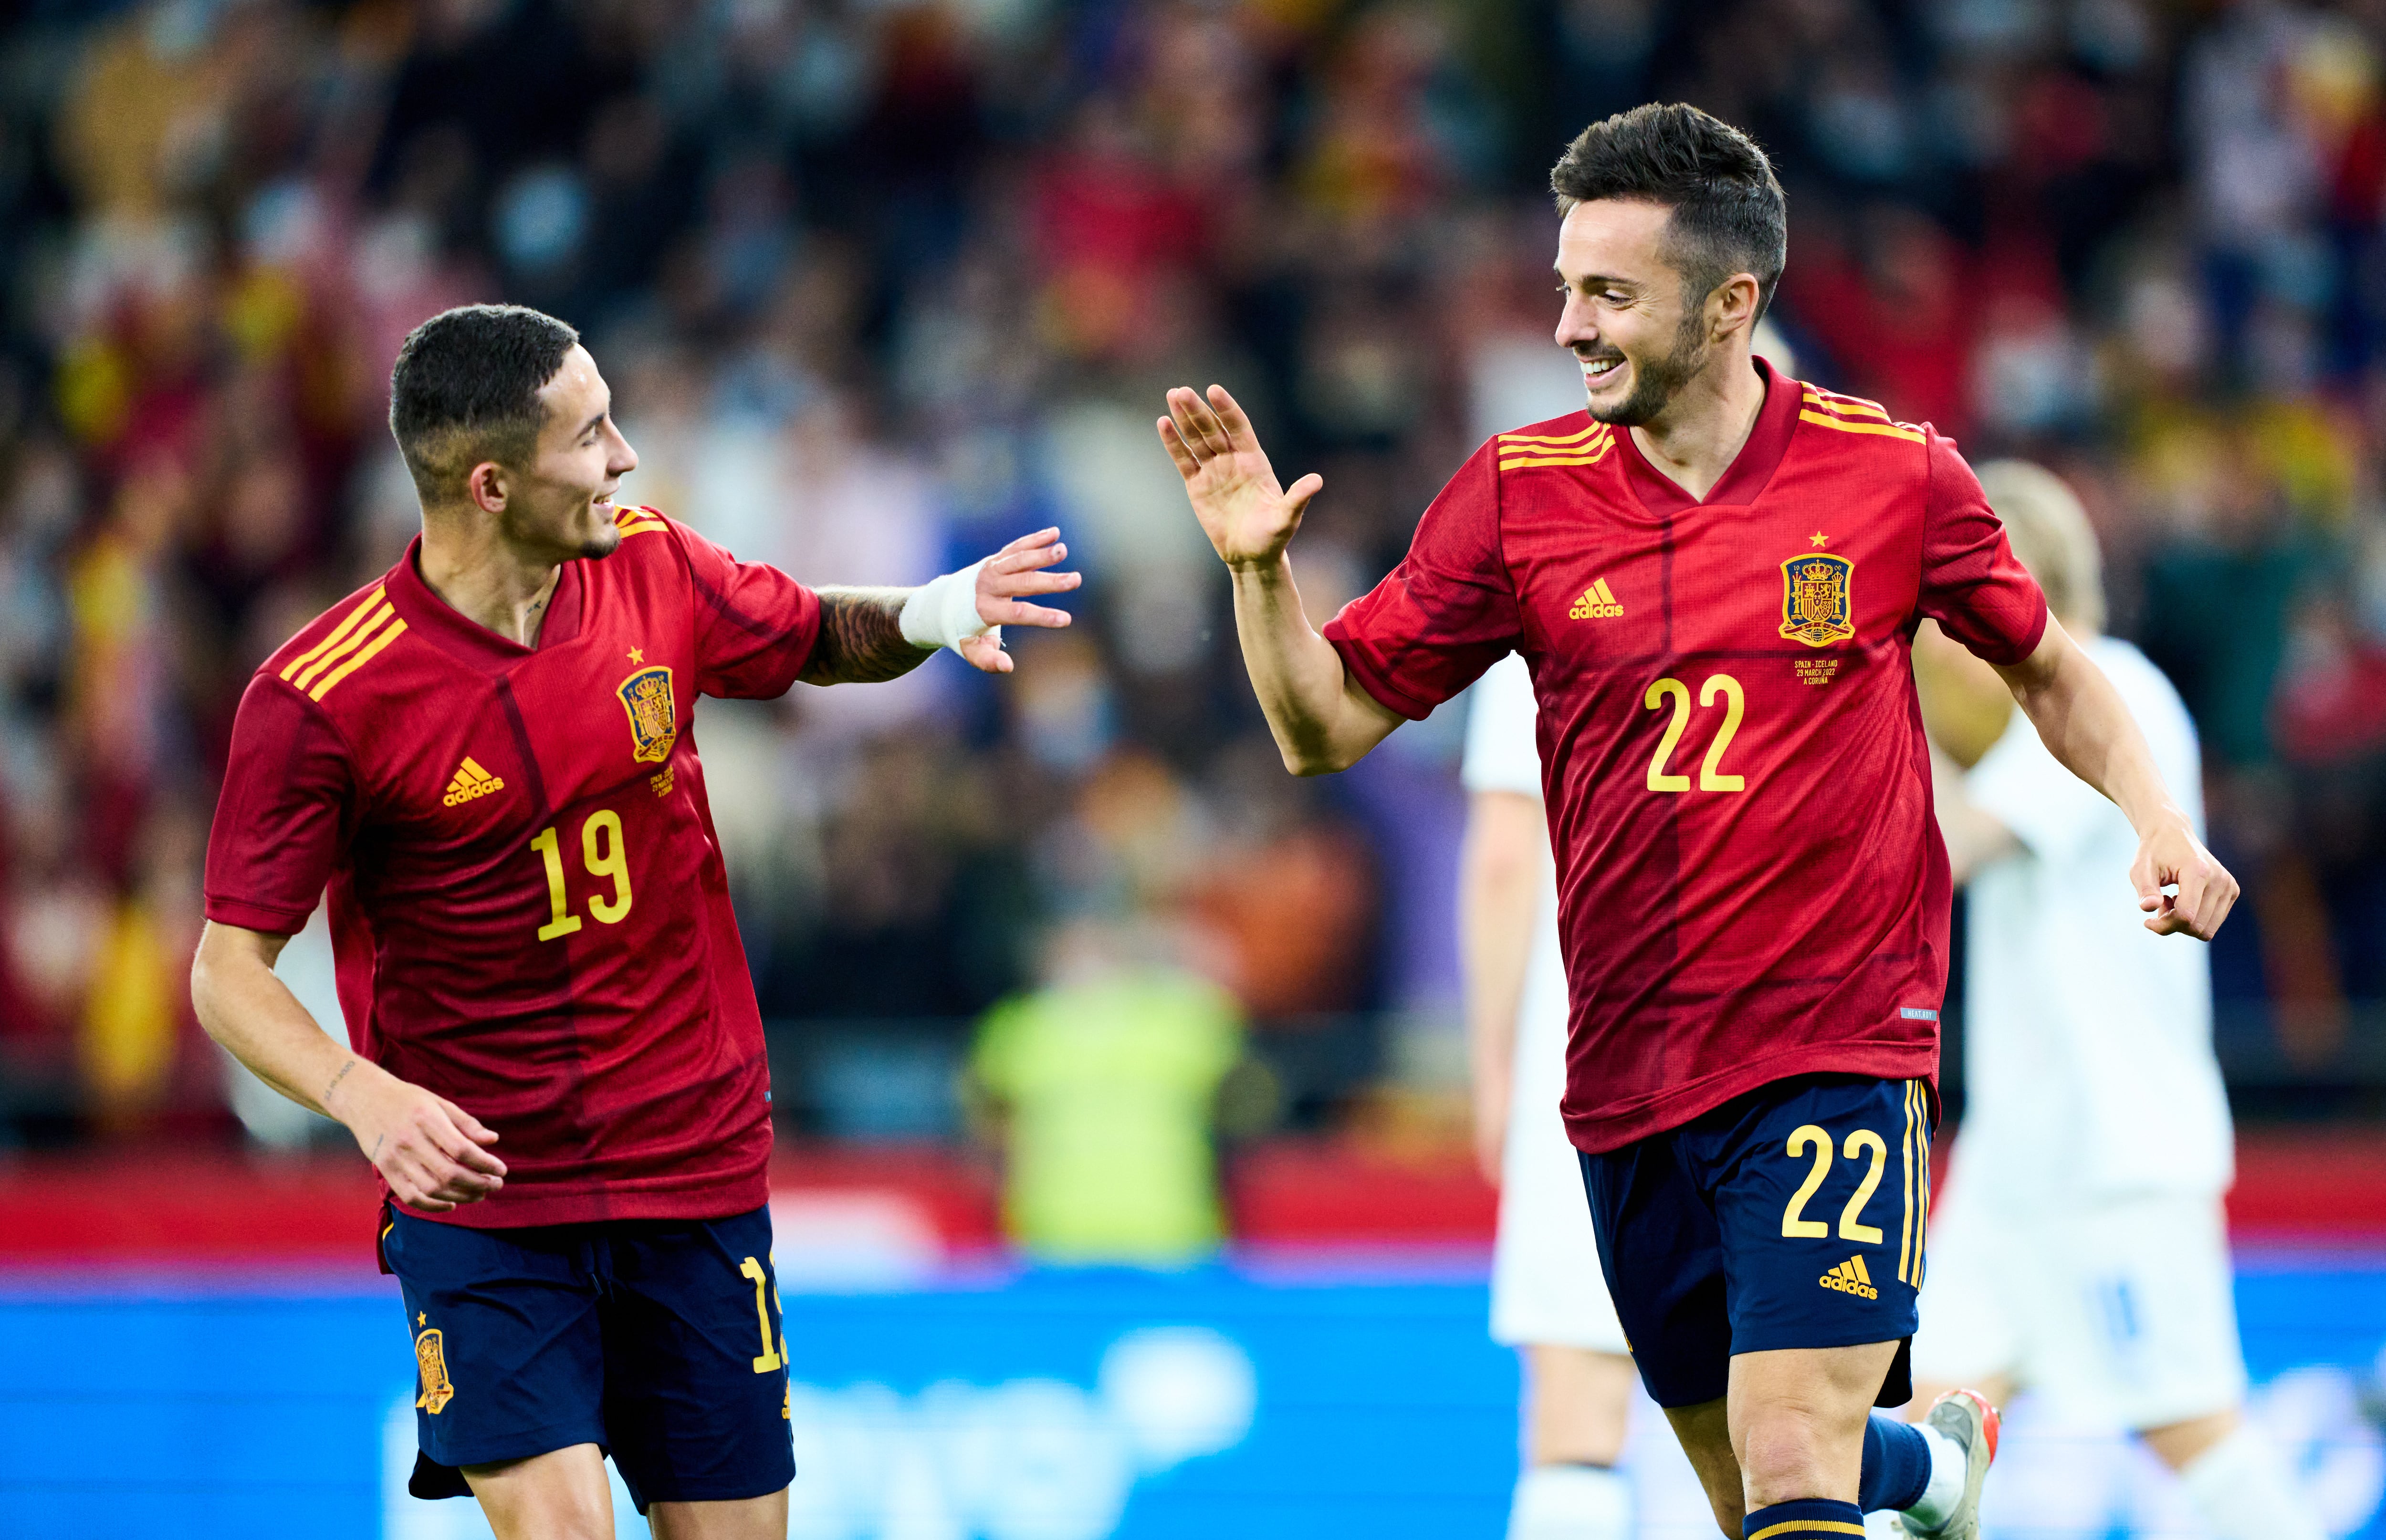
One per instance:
(471, 781)
(1850, 1277)
(1598, 603)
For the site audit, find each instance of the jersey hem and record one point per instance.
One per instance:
(715, 1200)
(1598, 1134)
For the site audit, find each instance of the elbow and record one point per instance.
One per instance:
(1317, 760)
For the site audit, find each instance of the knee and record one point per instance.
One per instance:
(1781, 1458)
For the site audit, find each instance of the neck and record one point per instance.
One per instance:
(484, 578)
(1698, 435)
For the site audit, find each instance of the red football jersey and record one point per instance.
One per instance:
(1751, 882)
(527, 901)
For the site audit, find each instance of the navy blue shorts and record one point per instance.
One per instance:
(658, 1340)
(1790, 1217)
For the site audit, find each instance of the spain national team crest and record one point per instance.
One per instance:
(431, 1358)
(654, 719)
(1815, 605)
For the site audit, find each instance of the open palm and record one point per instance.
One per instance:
(1246, 514)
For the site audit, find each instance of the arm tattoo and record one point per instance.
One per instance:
(325, 1099)
(862, 638)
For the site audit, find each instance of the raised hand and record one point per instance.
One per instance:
(2172, 855)
(1248, 517)
(1018, 568)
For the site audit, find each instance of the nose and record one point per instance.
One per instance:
(624, 459)
(1575, 328)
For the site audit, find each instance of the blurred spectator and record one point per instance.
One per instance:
(1103, 1086)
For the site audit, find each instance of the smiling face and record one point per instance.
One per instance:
(1628, 316)
(561, 503)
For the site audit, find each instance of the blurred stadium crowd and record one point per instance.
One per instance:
(880, 284)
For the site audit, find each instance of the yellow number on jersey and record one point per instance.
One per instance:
(604, 851)
(1710, 773)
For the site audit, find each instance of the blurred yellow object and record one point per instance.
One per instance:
(93, 390)
(1965, 705)
(127, 1043)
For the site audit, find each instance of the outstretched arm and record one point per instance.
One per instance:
(2086, 725)
(1322, 719)
(864, 639)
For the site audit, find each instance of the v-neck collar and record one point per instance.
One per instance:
(424, 610)
(1751, 468)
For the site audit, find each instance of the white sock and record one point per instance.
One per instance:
(1571, 1502)
(1949, 1466)
(2242, 1491)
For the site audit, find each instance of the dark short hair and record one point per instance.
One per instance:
(465, 388)
(1729, 214)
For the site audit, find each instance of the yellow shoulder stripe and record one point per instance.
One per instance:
(1518, 453)
(1891, 430)
(339, 633)
(638, 519)
(644, 526)
(362, 655)
(326, 657)
(1845, 405)
(1585, 436)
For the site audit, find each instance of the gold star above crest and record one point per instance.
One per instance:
(1819, 538)
(423, 1318)
(637, 654)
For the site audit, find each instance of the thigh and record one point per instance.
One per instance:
(507, 1347)
(1822, 1188)
(1663, 1261)
(696, 1378)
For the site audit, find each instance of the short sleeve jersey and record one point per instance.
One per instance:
(1751, 883)
(528, 905)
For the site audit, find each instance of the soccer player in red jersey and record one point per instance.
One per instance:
(489, 757)
(1714, 576)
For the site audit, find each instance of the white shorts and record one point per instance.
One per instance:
(2123, 1310)
(1545, 1286)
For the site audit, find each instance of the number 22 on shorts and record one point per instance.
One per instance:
(1794, 1224)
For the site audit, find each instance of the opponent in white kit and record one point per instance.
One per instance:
(1548, 1299)
(2081, 1249)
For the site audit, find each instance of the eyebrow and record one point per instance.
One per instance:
(593, 421)
(1596, 278)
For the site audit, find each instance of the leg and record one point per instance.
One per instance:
(1576, 1404)
(1706, 1434)
(762, 1518)
(2234, 1477)
(1797, 1420)
(562, 1495)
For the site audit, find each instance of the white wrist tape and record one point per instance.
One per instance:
(942, 612)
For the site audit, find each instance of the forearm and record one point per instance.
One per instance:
(2087, 726)
(1321, 720)
(862, 639)
(1498, 902)
(245, 1007)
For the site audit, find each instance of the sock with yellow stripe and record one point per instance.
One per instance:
(1896, 1465)
(1805, 1518)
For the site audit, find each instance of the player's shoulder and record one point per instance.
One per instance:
(353, 637)
(1557, 443)
(1860, 425)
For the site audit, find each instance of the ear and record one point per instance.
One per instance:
(486, 486)
(1733, 304)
